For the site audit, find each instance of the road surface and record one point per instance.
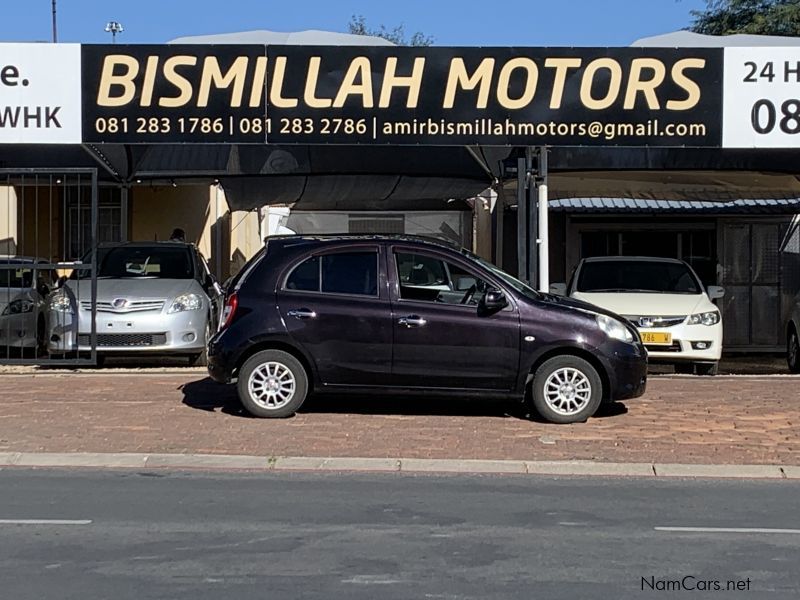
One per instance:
(125, 535)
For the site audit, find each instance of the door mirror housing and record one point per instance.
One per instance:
(493, 300)
(559, 289)
(715, 291)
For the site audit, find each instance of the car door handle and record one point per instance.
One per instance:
(411, 321)
(302, 313)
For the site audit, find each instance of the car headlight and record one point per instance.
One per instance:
(17, 307)
(60, 302)
(185, 302)
(707, 318)
(613, 328)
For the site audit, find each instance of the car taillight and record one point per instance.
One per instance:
(231, 304)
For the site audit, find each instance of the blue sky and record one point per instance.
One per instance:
(450, 22)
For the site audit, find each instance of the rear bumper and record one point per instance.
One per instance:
(221, 363)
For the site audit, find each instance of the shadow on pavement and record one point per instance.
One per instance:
(206, 394)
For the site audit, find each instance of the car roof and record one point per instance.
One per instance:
(334, 238)
(164, 244)
(633, 259)
(8, 258)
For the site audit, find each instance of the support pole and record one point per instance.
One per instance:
(55, 24)
(522, 220)
(499, 218)
(533, 219)
(543, 240)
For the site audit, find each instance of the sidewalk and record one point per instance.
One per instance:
(723, 420)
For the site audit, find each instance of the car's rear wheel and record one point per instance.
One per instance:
(793, 350)
(272, 384)
(566, 389)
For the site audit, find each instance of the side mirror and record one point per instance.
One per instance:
(559, 289)
(493, 300)
(715, 291)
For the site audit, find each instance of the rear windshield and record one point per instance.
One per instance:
(637, 277)
(157, 262)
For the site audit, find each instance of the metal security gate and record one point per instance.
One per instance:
(48, 266)
(752, 306)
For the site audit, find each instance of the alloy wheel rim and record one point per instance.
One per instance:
(567, 391)
(271, 385)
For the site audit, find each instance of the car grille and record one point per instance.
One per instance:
(131, 306)
(675, 347)
(127, 340)
(652, 321)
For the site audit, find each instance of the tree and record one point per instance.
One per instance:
(397, 35)
(763, 17)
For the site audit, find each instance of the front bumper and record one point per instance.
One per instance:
(151, 332)
(18, 331)
(681, 350)
(626, 367)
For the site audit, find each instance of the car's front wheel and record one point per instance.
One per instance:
(272, 384)
(793, 350)
(566, 389)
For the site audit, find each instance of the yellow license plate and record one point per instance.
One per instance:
(656, 338)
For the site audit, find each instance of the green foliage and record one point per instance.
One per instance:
(763, 17)
(397, 35)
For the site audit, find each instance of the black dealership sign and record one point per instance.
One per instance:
(390, 95)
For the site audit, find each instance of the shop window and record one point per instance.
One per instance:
(78, 222)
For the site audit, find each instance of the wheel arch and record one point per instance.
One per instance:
(278, 345)
(579, 353)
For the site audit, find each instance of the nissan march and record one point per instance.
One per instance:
(406, 315)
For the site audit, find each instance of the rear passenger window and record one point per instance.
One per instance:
(350, 273)
(305, 276)
(340, 273)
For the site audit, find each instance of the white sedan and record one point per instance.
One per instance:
(666, 301)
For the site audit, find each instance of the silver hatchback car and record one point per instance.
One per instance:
(153, 298)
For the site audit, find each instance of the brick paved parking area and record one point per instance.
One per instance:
(722, 420)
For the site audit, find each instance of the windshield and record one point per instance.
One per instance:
(155, 262)
(637, 276)
(519, 286)
(16, 277)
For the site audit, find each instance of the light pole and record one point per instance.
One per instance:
(55, 30)
(113, 27)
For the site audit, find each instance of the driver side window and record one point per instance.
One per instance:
(429, 279)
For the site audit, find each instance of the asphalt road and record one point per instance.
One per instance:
(127, 535)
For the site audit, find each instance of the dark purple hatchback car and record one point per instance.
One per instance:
(408, 315)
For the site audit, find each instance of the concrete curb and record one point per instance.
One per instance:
(387, 465)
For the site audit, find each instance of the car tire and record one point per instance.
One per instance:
(566, 389)
(264, 382)
(41, 342)
(707, 369)
(793, 350)
(684, 368)
(201, 359)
